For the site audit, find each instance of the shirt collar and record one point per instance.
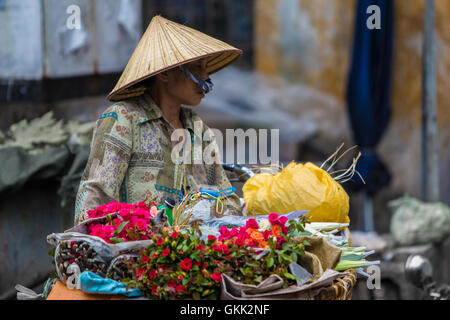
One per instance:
(151, 111)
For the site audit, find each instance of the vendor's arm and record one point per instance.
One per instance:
(108, 161)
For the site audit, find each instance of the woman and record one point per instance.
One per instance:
(131, 151)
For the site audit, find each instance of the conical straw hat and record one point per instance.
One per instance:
(165, 45)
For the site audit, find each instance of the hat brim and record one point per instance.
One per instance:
(216, 61)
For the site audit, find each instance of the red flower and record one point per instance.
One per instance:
(145, 259)
(160, 242)
(155, 255)
(225, 249)
(283, 220)
(174, 235)
(200, 247)
(165, 252)
(224, 232)
(216, 276)
(152, 274)
(212, 237)
(273, 218)
(140, 273)
(239, 242)
(252, 224)
(155, 291)
(186, 264)
(180, 277)
(234, 232)
(171, 283)
(266, 234)
(180, 288)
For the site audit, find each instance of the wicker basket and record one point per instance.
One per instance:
(341, 289)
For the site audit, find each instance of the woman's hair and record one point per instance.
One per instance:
(148, 83)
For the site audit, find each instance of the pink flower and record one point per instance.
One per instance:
(141, 213)
(234, 232)
(93, 213)
(153, 211)
(224, 232)
(251, 223)
(239, 242)
(283, 220)
(124, 213)
(142, 224)
(113, 207)
(273, 218)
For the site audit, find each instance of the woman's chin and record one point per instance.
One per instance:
(194, 103)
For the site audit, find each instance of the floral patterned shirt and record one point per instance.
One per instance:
(130, 159)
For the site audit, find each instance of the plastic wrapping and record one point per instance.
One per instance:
(298, 187)
(100, 253)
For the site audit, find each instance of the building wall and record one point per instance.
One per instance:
(309, 42)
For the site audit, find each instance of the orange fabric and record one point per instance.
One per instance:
(61, 292)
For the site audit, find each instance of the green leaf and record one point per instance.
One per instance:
(116, 240)
(290, 276)
(306, 243)
(121, 226)
(294, 256)
(196, 296)
(51, 252)
(352, 257)
(269, 262)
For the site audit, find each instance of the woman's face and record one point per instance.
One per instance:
(183, 89)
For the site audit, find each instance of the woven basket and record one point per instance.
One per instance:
(341, 289)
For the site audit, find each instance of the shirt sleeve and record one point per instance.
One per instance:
(107, 163)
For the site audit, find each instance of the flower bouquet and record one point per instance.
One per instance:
(180, 265)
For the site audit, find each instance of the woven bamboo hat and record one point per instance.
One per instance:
(165, 45)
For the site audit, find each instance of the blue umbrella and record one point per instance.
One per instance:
(368, 93)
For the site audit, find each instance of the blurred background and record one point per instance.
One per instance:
(311, 68)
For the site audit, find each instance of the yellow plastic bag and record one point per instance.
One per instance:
(297, 187)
